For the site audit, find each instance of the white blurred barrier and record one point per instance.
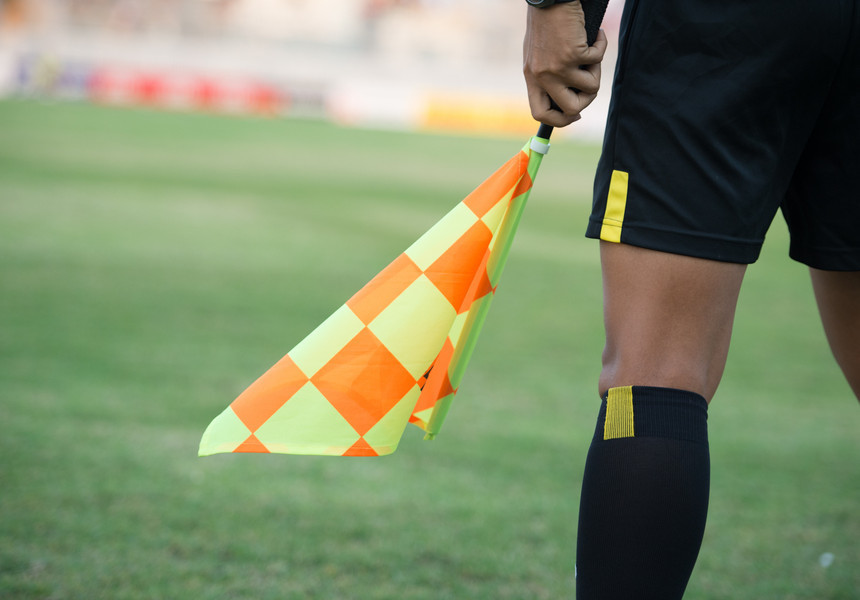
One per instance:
(387, 72)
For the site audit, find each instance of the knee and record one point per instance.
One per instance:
(660, 365)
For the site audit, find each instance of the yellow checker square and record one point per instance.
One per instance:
(305, 420)
(224, 434)
(386, 434)
(424, 416)
(415, 325)
(457, 327)
(473, 319)
(495, 215)
(503, 234)
(441, 236)
(326, 340)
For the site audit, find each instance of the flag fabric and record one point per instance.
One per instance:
(396, 352)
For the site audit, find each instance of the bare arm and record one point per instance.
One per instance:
(559, 64)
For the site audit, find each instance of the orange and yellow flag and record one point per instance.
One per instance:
(396, 351)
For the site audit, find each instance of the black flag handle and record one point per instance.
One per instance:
(594, 11)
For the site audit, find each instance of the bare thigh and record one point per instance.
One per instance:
(668, 318)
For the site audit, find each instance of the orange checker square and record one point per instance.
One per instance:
(252, 445)
(380, 291)
(497, 186)
(524, 185)
(361, 448)
(265, 396)
(363, 381)
(436, 383)
(454, 272)
(481, 286)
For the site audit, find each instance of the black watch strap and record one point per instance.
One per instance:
(545, 3)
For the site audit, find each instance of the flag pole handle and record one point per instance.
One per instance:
(544, 131)
(594, 11)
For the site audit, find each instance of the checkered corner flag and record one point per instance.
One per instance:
(396, 352)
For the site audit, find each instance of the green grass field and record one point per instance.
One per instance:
(153, 264)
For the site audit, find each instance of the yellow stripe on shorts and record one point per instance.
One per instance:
(616, 203)
(619, 413)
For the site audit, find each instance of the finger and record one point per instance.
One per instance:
(584, 79)
(587, 78)
(573, 103)
(594, 53)
(569, 100)
(542, 110)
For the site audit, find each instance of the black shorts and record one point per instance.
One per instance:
(723, 111)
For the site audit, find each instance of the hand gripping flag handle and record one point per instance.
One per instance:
(594, 11)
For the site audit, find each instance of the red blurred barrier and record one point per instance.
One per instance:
(185, 91)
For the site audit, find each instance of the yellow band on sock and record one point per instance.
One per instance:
(619, 413)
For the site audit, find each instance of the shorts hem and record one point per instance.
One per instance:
(827, 259)
(686, 244)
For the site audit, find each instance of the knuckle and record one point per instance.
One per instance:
(591, 87)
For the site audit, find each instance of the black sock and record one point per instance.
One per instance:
(644, 495)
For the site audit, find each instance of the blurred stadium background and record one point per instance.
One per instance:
(435, 65)
(153, 262)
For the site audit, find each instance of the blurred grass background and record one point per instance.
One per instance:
(153, 264)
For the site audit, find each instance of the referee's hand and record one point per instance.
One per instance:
(562, 71)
